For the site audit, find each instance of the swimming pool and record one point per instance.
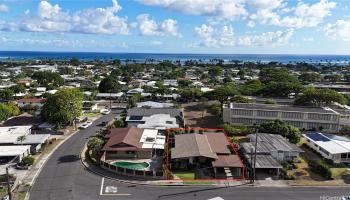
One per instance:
(131, 165)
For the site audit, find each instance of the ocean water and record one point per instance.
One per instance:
(141, 57)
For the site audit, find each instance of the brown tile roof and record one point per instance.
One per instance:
(192, 145)
(124, 139)
(23, 119)
(31, 100)
(227, 161)
(218, 143)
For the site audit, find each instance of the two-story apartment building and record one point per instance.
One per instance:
(305, 118)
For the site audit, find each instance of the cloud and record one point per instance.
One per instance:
(339, 30)
(150, 27)
(51, 18)
(268, 12)
(3, 8)
(225, 9)
(304, 15)
(211, 37)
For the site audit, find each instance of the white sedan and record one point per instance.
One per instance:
(85, 125)
(105, 111)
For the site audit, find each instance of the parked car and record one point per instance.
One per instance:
(105, 111)
(85, 125)
(103, 124)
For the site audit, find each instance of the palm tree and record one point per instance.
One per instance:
(21, 139)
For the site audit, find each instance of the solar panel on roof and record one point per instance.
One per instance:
(135, 117)
(317, 137)
(336, 137)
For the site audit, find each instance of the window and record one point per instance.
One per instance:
(169, 122)
(130, 152)
(343, 155)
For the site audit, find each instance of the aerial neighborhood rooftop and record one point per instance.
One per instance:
(177, 121)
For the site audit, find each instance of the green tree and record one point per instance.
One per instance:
(95, 145)
(8, 110)
(309, 77)
(240, 99)
(46, 78)
(74, 61)
(133, 100)
(319, 97)
(6, 94)
(215, 71)
(251, 87)
(222, 93)
(215, 109)
(281, 128)
(63, 107)
(19, 88)
(281, 89)
(109, 85)
(191, 94)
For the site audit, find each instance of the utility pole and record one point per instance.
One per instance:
(251, 166)
(8, 184)
(255, 150)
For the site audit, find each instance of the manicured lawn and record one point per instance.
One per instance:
(184, 175)
(90, 114)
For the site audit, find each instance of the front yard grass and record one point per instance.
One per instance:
(184, 175)
(91, 114)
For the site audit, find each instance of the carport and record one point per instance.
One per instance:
(264, 164)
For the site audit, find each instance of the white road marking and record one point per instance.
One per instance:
(216, 198)
(110, 190)
(101, 191)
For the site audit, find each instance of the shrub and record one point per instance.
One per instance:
(322, 169)
(28, 160)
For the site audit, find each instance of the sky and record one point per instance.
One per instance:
(177, 26)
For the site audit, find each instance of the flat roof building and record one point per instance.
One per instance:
(305, 118)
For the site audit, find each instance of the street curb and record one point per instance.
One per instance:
(40, 168)
(85, 165)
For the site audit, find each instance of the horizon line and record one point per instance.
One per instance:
(111, 52)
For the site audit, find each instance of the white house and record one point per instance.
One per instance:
(170, 82)
(11, 152)
(332, 147)
(158, 121)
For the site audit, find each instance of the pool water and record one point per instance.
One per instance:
(131, 165)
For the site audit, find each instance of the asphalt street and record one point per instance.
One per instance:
(64, 178)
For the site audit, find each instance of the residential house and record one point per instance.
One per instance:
(207, 153)
(132, 143)
(331, 147)
(89, 106)
(30, 102)
(135, 115)
(170, 82)
(153, 104)
(272, 150)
